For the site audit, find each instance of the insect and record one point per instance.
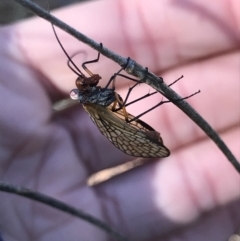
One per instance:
(107, 110)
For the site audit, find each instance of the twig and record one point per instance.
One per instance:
(60, 206)
(137, 70)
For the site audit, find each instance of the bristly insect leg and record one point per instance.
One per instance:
(119, 101)
(150, 94)
(162, 102)
(175, 81)
(138, 82)
(112, 79)
(91, 61)
(124, 103)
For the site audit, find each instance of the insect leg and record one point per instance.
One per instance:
(112, 79)
(91, 61)
(119, 101)
(139, 82)
(123, 104)
(175, 81)
(147, 95)
(131, 88)
(150, 94)
(161, 103)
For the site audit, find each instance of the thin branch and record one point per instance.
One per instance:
(24, 192)
(137, 70)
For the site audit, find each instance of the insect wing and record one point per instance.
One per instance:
(138, 124)
(131, 138)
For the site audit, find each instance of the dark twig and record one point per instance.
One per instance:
(137, 70)
(60, 206)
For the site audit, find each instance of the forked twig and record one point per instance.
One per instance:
(135, 69)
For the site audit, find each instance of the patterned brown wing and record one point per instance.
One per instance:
(136, 138)
(139, 124)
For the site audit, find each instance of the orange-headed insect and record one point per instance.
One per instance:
(108, 111)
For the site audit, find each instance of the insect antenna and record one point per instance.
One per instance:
(82, 82)
(77, 71)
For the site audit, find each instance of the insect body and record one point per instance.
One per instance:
(105, 108)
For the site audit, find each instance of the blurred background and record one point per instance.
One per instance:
(11, 11)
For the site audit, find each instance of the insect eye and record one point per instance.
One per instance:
(74, 94)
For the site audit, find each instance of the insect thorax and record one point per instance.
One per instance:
(96, 95)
